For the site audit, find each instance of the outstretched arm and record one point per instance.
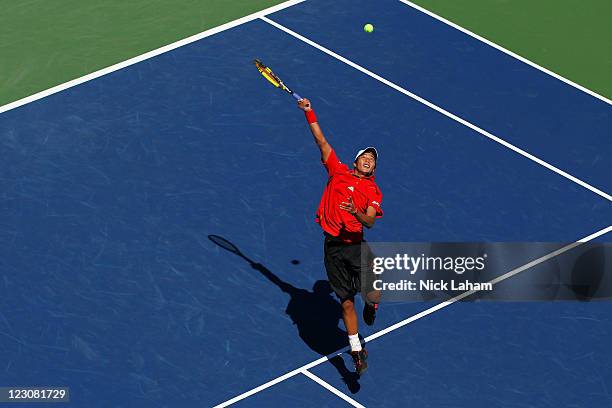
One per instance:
(317, 133)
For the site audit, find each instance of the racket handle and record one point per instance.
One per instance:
(297, 97)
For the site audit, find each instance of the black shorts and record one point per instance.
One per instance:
(343, 264)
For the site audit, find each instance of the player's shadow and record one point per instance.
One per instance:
(316, 314)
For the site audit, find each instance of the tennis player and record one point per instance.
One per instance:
(351, 200)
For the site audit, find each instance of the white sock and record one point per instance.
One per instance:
(354, 342)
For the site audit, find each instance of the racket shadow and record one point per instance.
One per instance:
(315, 313)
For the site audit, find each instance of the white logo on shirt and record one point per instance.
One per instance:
(351, 188)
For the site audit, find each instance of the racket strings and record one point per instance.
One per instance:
(269, 75)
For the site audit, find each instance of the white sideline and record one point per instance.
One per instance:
(417, 316)
(147, 55)
(439, 109)
(508, 52)
(332, 389)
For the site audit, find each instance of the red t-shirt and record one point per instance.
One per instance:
(343, 183)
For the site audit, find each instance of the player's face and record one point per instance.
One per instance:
(365, 163)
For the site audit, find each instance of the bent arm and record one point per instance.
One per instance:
(368, 218)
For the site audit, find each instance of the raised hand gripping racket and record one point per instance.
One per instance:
(274, 79)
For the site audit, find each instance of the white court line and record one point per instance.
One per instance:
(508, 52)
(440, 110)
(492, 281)
(275, 381)
(417, 316)
(147, 55)
(332, 389)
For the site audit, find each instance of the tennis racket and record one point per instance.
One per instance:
(274, 79)
(228, 246)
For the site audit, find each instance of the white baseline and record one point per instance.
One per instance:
(147, 55)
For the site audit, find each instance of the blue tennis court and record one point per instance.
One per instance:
(110, 190)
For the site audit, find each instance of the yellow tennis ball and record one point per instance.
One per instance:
(368, 28)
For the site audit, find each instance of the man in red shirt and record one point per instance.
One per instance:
(350, 201)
